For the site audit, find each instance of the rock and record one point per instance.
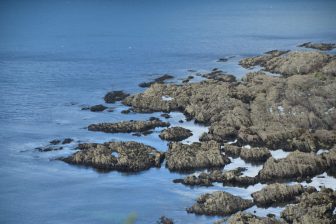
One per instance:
(175, 134)
(190, 77)
(98, 108)
(220, 76)
(261, 60)
(165, 115)
(228, 178)
(119, 156)
(219, 203)
(160, 79)
(255, 154)
(315, 207)
(67, 141)
(182, 157)
(127, 126)
(248, 218)
(126, 111)
(48, 148)
(295, 165)
(290, 112)
(319, 46)
(165, 220)
(55, 142)
(113, 96)
(277, 194)
(232, 150)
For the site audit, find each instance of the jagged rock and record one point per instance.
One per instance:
(248, 218)
(175, 134)
(49, 148)
(277, 112)
(316, 207)
(232, 150)
(230, 178)
(255, 154)
(98, 108)
(297, 165)
(128, 126)
(165, 220)
(183, 157)
(219, 203)
(55, 142)
(160, 79)
(113, 96)
(277, 194)
(119, 156)
(319, 46)
(67, 141)
(261, 60)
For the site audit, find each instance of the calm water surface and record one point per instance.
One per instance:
(56, 56)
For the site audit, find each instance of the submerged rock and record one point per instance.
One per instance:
(277, 194)
(128, 126)
(67, 141)
(119, 156)
(219, 203)
(160, 79)
(175, 134)
(248, 218)
(55, 142)
(319, 46)
(113, 96)
(316, 207)
(98, 108)
(183, 157)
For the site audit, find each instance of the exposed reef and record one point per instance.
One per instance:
(319, 46)
(119, 156)
(128, 126)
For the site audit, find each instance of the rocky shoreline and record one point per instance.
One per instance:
(294, 110)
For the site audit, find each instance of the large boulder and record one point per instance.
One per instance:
(113, 96)
(175, 134)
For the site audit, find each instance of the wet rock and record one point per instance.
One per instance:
(49, 148)
(228, 178)
(67, 141)
(165, 115)
(295, 165)
(255, 154)
(248, 218)
(319, 46)
(114, 96)
(128, 126)
(126, 111)
(160, 79)
(175, 134)
(219, 203)
(119, 156)
(190, 77)
(316, 207)
(183, 157)
(165, 220)
(98, 108)
(277, 194)
(55, 142)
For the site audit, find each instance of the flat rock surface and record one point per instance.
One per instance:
(183, 157)
(119, 156)
(219, 203)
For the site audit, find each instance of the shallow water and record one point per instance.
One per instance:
(56, 56)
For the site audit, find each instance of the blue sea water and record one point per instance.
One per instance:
(56, 56)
